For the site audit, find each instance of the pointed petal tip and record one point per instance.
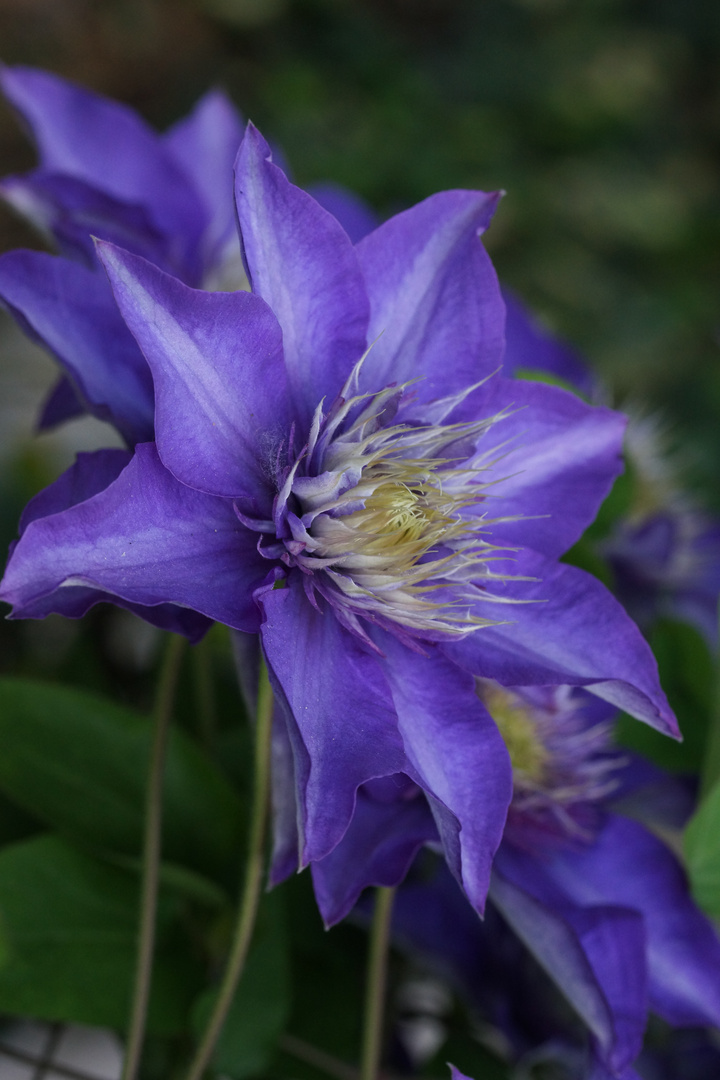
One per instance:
(256, 142)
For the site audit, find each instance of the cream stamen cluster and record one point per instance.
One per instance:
(381, 511)
(563, 764)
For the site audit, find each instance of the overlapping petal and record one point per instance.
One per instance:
(106, 145)
(594, 953)
(353, 213)
(556, 461)
(339, 711)
(564, 627)
(70, 310)
(69, 212)
(221, 399)
(377, 849)
(205, 144)
(458, 757)
(146, 539)
(90, 475)
(530, 348)
(301, 262)
(436, 314)
(61, 404)
(628, 865)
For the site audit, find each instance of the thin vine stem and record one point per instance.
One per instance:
(376, 983)
(204, 692)
(164, 703)
(250, 897)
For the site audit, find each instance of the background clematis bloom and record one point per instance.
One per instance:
(664, 552)
(104, 172)
(340, 467)
(580, 893)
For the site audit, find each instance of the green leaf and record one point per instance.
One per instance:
(259, 1010)
(79, 763)
(688, 678)
(330, 968)
(69, 929)
(702, 853)
(550, 378)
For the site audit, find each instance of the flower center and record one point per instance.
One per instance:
(529, 756)
(381, 510)
(562, 761)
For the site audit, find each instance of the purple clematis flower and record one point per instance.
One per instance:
(665, 553)
(340, 467)
(104, 172)
(530, 348)
(596, 899)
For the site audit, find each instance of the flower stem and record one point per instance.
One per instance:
(204, 692)
(250, 897)
(151, 854)
(375, 986)
(319, 1059)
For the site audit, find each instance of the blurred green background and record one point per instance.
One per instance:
(599, 118)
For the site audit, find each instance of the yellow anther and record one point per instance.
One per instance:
(528, 756)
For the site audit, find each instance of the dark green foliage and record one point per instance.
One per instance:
(688, 676)
(702, 853)
(68, 925)
(79, 763)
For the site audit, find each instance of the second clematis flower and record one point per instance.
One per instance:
(340, 468)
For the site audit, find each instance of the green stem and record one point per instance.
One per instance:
(204, 692)
(250, 897)
(375, 986)
(319, 1059)
(151, 855)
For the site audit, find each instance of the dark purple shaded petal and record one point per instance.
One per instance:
(72, 213)
(599, 1071)
(669, 564)
(458, 757)
(146, 539)
(339, 712)
(557, 459)
(647, 794)
(356, 217)
(483, 960)
(286, 841)
(61, 404)
(74, 602)
(436, 310)
(529, 347)
(302, 263)
(377, 849)
(91, 474)
(594, 953)
(692, 1054)
(220, 387)
(697, 601)
(247, 657)
(106, 145)
(568, 629)
(71, 311)
(205, 144)
(433, 919)
(628, 865)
